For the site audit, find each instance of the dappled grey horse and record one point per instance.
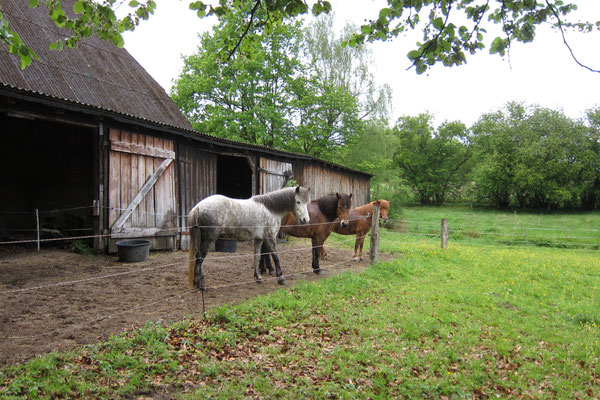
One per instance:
(257, 218)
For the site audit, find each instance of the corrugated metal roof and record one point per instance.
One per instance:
(95, 73)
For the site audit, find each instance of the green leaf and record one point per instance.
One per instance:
(383, 13)
(438, 23)
(134, 3)
(197, 5)
(414, 54)
(498, 46)
(117, 40)
(34, 3)
(78, 7)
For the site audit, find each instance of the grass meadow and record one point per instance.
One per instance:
(551, 229)
(481, 319)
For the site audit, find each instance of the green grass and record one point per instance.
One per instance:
(550, 229)
(471, 321)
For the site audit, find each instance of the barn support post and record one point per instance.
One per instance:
(444, 233)
(98, 203)
(37, 227)
(374, 251)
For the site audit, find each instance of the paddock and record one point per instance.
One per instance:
(57, 300)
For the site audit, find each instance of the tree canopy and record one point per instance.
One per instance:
(452, 29)
(432, 161)
(536, 157)
(300, 91)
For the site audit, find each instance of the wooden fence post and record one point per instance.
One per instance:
(374, 251)
(444, 233)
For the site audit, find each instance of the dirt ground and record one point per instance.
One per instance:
(57, 300)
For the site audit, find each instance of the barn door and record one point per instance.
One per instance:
(197, 180)
(142, 196)
(274, 175)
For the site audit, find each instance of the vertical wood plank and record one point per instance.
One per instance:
(149, 200)
(126, 194)
(135, 187)
(142, 208)
(114, 183)
(159, 189)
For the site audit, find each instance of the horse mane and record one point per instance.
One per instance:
(384, 203)
(280, 201)
(369, 206)
(328, 206)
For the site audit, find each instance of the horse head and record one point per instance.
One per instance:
(302, 198)
(384, 208)
(344, 204)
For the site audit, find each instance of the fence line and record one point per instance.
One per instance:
(529, 226)
(176, 230)
(141, 270)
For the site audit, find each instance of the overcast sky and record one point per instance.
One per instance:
(541, 72)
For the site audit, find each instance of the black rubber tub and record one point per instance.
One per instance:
(134, 250)
(226, 245)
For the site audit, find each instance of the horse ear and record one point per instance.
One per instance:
(298, 189)
(337, 195)
(350, 195)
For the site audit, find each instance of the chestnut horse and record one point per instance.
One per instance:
(360, 220)
(323, 212)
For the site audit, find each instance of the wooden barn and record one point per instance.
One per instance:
(92, 147)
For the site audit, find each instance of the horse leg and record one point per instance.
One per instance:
(359, 243)
(323, 253)
(272, 247)
(195, 259)
(206, 239)
(317, 245)
(265, 261)
(258, 245)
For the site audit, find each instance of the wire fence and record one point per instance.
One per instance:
(516, 235)
(521, 234)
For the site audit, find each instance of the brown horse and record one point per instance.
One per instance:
(360, 220)
(323, 212)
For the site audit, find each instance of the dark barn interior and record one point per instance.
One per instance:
(234, 177)
(46, 167)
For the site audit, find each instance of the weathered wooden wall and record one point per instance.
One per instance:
(273, 174)
(139, 207)
(323, 180)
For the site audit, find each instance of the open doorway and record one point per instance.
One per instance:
(49, 187)
(234, 177)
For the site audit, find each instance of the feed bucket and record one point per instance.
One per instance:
(134, 250)
(226, 245)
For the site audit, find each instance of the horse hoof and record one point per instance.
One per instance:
(281, 281)
(259, 280)
(317, 271)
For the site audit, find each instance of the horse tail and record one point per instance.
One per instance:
(195, 240)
